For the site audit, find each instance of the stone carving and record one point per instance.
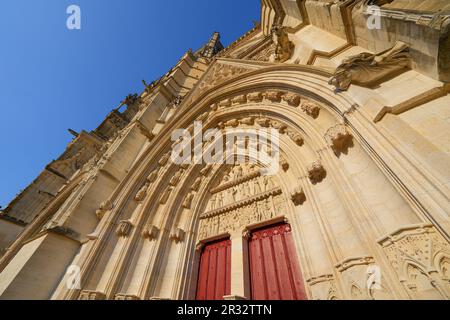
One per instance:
(91, 295)
(284, 164)
(255, 97)
(188, 201)
(166, 195)
(263, 122)
(298, 197)
(247, 121)
(366, 68)
(274, 96)
(339, 139)
(151, 232)
(281, 127)
(219, 74)
(176, 178)
(232, 123)
(240, 99)
(296, 137)
(164, 159)
(312, 109)
(124, 228)
(196, 185)
(237, 216)
(225, 103)
(177, 235)
(104, 207)
(420, 256)
(126, 297)
(316, 172)
(284, 48)
(323, 287)
(292, 99)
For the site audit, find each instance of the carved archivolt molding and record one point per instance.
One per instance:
(421, 258)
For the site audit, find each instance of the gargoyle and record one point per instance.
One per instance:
(366, 69)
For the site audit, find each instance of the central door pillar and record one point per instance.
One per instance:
(240, 277)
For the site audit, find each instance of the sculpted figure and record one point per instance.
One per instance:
(366, 68)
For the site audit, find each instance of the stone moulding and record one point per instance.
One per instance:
(354, 261)
(242, 203)
(319, 279)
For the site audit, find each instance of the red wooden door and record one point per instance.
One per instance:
(274, 270)
(214, 278)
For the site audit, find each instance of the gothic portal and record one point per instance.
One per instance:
(358, 208)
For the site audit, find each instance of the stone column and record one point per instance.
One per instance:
(240, 276)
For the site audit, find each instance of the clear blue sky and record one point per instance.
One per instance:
(52, 78)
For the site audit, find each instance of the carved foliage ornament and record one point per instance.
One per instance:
(316, 172)
(339, 139)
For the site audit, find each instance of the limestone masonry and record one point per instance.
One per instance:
(359, 208)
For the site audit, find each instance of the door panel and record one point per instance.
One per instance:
(274, 270)
(214, 278)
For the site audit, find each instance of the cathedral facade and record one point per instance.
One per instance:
(357, 94)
